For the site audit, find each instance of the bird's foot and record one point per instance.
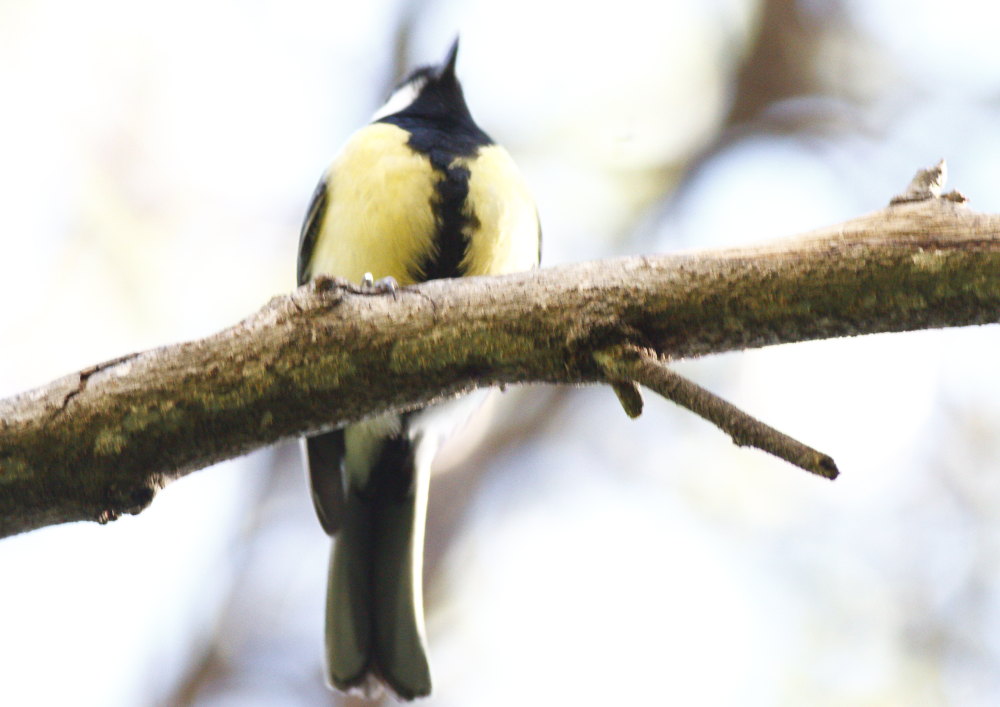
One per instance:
(387, 285)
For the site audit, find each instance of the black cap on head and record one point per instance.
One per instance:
(430, 93)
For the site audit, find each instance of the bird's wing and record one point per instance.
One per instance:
(324, 454)
(310, 229)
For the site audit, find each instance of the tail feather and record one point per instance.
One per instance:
(348, 607)
(374, 626)
(400, 648)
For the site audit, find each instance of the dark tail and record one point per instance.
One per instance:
(374, 613)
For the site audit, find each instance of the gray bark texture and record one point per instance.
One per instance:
(101, 442)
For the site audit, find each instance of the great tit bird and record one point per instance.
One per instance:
(419, 193)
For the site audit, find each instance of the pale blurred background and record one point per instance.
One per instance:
(155, 163)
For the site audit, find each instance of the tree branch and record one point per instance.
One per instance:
(99, 443)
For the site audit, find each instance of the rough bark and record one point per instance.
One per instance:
(101, 442)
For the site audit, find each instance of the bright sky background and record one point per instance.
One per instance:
(155, 164)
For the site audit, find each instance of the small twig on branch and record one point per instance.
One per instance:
(629, 396)
(928, 184)
(643, 367)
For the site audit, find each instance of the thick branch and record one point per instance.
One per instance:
(100, 442)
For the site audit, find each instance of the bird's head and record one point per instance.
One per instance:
(431, 92)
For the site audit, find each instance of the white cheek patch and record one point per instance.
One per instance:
(400, 98)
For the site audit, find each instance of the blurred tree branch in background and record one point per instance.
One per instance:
(101, 442)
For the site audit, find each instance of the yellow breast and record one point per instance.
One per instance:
(505, 221)
(380, 216)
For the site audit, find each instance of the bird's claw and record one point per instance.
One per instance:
(386, 285)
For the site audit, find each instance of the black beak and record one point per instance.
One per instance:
(448, 66)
